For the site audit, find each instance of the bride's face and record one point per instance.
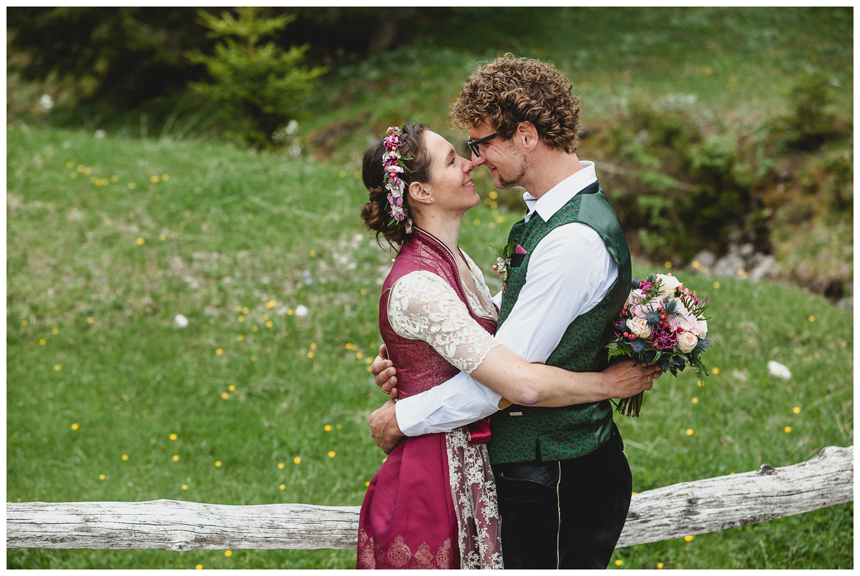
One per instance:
(450, 176)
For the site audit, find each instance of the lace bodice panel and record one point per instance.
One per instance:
(423, 306)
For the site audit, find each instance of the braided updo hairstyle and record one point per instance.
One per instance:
(376, 213)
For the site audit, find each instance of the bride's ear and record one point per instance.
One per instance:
(420, 192)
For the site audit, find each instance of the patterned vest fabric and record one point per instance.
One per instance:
(419, 366)
(523, 434)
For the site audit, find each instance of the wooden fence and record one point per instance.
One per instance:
(671, 512)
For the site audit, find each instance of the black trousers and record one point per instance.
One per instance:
(564, 514)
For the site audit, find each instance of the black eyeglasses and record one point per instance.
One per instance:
(473, 144)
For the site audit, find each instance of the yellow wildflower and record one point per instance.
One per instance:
(101, 476)
(688, 538)
(796, 410)
(689, 431)
(331, 454)
(283, 486)
(787, 429)
(55, 331)
(176, 457)
(217, 464)
(327, 428)
(75, 426)
(269, 324)
(224, 395)
(42, 341)
(281, 465)
(185, 486)
(154, 179)
(90, 320)
(124, 456)
(165, 177)
(313, 345)
(219, 351)
(297, 460)
(173, 436)
(130, 186)
(57, 367)
(694, 400)
(228, 553)
(231, 388)
(660, 565)
(668, 264)
(312, 253)
(715, 371)
(811, 318)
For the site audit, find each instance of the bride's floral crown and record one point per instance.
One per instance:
(392, 164)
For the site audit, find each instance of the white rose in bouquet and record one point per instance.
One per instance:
(639, 326)
(668, 283)
(703, 327)
(687, 341)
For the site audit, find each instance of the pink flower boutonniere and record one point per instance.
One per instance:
(510, 256)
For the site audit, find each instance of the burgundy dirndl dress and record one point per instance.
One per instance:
(424, 507)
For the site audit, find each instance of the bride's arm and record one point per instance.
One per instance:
(423, 306)
(539, 385)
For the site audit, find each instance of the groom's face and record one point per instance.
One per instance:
(503, 159)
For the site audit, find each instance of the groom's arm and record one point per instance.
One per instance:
(569, 273)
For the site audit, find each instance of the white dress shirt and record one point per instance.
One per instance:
(570, 271)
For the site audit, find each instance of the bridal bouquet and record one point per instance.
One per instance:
(663, 323)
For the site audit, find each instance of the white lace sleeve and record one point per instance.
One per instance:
(422, 306)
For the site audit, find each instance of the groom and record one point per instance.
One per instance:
(564, 485)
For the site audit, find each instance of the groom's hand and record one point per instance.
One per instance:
(383, 427)
(384, 373)
(626, 379)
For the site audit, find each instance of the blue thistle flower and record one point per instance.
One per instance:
(670, 307)
(653, 318)
(637, 345)
(703, 344)
(634, 284)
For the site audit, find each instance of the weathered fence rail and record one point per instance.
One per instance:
(673, 511)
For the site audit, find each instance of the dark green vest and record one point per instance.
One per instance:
(520, 433)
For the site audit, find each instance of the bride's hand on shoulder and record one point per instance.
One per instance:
(384, 373)
(627, 378)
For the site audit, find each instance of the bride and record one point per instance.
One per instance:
(432, 504)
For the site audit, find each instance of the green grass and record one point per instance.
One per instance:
(229, 229)
(229, 232)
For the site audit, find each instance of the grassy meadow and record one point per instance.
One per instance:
(263, 397)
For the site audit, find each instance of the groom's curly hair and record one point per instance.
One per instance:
(511, 90)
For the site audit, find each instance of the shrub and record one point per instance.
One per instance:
(259, 84)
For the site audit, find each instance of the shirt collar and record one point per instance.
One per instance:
(560, 194)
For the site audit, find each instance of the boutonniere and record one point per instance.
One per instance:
(509, 256)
